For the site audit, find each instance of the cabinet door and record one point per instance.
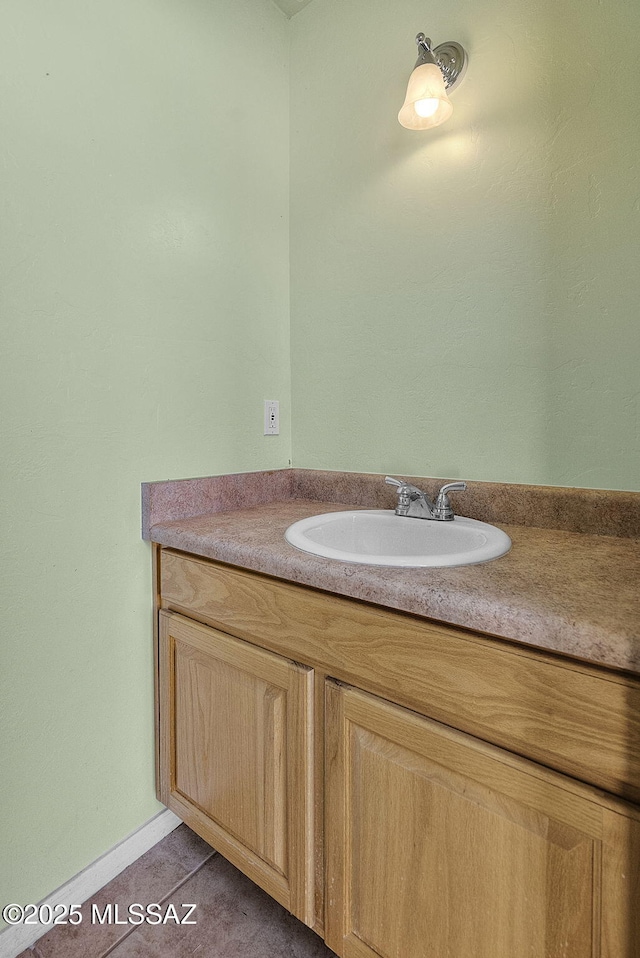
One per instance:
(439, 845)
(236, 754)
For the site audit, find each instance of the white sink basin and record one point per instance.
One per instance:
(380, 537)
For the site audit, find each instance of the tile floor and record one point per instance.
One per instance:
(234, 918)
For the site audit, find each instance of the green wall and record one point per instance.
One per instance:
(145, 317)
(465, 301)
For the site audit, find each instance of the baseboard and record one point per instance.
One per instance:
(15, 938)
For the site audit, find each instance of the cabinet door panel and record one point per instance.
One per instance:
(236, 741)
(621, 886)
(230, 750)
(439, 845)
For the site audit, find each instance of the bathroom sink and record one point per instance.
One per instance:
(380, 537)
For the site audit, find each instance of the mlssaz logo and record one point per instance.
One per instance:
(137, 914)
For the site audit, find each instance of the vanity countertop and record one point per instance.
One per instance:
(573, 592)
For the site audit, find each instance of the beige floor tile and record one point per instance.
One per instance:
(149, 879)
(234, 919)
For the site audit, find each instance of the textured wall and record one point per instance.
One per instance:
(465, 301)
(145, 317)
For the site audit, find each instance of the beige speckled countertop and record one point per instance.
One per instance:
(560, 589)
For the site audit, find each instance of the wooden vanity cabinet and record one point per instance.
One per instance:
(236, 754)
(438, 844)
(453, 783)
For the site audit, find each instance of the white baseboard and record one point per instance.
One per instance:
(91, 879)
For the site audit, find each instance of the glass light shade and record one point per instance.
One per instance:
(426, 104)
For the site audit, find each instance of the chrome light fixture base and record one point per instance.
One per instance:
(437, 71)
(451, 58)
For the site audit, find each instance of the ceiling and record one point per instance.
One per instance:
(291, 7)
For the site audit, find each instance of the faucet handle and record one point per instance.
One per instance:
(452, 487)
(406, 492)
(402, 488)
(442, 507)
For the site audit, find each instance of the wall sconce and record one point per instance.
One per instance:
(435, 74)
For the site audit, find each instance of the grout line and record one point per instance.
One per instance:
(172, 891)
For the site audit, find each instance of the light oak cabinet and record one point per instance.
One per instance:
(412, 790)
(438, 844)
(235, 761)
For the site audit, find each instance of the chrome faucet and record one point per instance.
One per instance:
(417, 504)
